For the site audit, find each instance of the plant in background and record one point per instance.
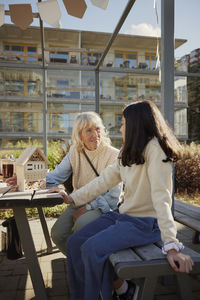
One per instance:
(55, 151)
(187, 171)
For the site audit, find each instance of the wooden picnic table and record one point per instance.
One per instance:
(19, 201)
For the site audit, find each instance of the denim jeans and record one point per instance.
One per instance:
(64, 226)
(89, 269)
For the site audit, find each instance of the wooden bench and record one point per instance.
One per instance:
(147, 266)
(188, 215)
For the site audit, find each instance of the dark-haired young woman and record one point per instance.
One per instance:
(145, 167)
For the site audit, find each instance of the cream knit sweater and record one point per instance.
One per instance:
(148, 189)
(103, 156)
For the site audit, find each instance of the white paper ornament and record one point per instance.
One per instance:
(100, 3)
(50, 12)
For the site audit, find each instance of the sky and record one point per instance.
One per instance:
(141, 19)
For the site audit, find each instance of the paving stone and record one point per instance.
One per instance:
(8, 283)
(8, 295)
(25, 295)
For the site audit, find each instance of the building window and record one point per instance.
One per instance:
(21, 84)
(119, 91)
(93, 58)
(150, 60)
(126, 91)
(20, 121)
(61, 122)
(153, 92)
(59, 88)
(21, 52)
(126, 60)
(59, 56)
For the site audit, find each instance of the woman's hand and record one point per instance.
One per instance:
(67, 199)
(12, 181)
(179, 261)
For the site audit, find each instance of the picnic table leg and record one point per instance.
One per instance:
(45, 229)
(184, 286)
(30, 252)
(196, 237)
(148, 289)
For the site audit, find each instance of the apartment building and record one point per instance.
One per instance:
(128, 74)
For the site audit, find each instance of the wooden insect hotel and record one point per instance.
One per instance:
(31, 166)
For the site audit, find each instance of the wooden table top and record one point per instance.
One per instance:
(30, 198)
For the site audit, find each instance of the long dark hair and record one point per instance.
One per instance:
(144, 121)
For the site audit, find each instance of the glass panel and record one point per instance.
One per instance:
(111, 116)
(20, 82)
(31, 50)
(131, 92)
(63, 56)
(119, 60)
(93, 58)
(27, 106)
(60, 57)
(180, 123)
(21, 122)
(150, 61)
(193, 89)
(17, 86)
(63, 84)
(63, 107)
(61, 122)
(6, 48)
(119, 91)
(180, 89)
(17, 121)
(147, 61)
(5, 121)
(52, 55)
(153, 61)
(132, 58)
(17, 48)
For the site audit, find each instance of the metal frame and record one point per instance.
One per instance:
(167, 63)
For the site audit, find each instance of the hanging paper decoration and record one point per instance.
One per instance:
(100, 3)
(2, 14)
(21, 15)
(75, 8)
(50, 12)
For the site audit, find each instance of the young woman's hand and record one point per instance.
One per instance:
(179, 261)
(67, 199)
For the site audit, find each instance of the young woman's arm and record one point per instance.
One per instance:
(109, 178)
(160, 177)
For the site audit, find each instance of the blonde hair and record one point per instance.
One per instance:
(86, 119)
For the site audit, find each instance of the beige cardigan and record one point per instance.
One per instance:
(148, 189)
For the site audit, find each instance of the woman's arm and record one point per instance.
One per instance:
(60, 173)
(108, 179)
(160, 177)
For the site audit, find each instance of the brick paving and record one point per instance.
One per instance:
(15, 281)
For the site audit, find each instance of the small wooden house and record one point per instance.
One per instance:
(31, 166)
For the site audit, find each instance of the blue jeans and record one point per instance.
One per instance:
(89, 269)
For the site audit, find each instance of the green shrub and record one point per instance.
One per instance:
(187, 171)
(55, 151)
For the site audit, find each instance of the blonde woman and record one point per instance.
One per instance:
(88, 135)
